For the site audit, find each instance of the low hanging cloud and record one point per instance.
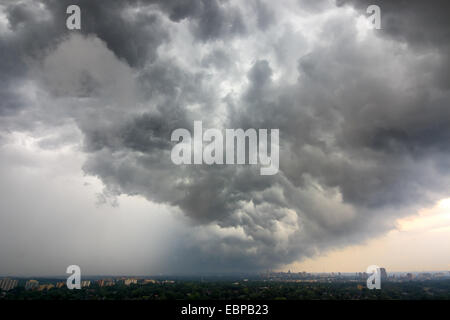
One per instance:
(363, 115)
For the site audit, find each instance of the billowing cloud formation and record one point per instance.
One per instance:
(363, 114)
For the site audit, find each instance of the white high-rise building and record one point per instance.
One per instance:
(7, 284)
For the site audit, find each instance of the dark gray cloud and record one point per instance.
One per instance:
(364, 126)
(423, 25)
(210, 19)
(417, 22)
(133, 36)
(314, 6)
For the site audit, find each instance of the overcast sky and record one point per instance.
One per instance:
(86, 118)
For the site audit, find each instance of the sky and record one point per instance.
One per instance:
(86, 118)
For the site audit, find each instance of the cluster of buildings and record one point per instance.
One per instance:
(364, 275)
(127, 281)
(35, 285)
(401, 277)
(358, 276)
(7, 284)
(111, 282)
(421, 276)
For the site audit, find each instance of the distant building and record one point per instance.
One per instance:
(128, 282)
(47, 286)
(425, 276)
(31, 284)
(85, 283)
(383, 273)
(105, 282)
(171, 281)
(361, 275)
(7, 284)
(146, 281)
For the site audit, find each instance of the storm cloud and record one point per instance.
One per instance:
(363, 115)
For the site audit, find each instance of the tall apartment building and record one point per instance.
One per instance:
(383, 274)
(7, 284)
